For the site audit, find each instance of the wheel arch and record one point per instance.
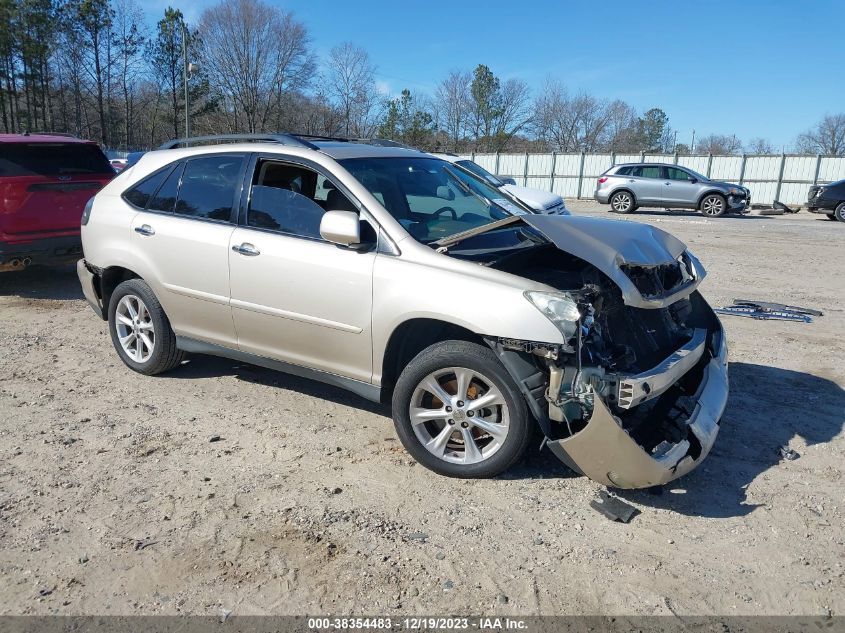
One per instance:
(626, 190)
(111, 278)
(411, 337)
(709, 192)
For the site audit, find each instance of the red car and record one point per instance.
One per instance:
(45, 182)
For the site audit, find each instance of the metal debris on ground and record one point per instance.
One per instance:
(613, 508)
(769, 311)
(777, 204)
(788, 453)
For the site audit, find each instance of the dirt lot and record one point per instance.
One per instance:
(114, 500)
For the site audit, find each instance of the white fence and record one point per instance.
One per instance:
(784, 177)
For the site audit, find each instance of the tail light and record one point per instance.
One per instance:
(602, 180)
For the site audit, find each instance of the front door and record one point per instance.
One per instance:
(679, 190)
(294, 296)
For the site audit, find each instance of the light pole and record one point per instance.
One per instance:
(187, 69)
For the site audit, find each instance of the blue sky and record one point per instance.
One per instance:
(749, 68)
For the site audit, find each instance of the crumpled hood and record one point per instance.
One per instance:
(609, 244)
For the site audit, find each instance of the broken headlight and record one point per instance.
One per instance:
(559, 308)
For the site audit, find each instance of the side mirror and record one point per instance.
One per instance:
(507, 180)
(341, 227)
(692, 180)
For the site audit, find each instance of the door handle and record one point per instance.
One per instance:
(246, 249)
(630, 180)
(667, 183)
(145, 229)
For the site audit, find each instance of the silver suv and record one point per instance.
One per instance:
(628, 186)
(407, 280)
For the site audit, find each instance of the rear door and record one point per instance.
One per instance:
(44, 187)
(183, 233)
(647, 183)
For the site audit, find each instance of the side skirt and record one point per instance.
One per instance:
(363, 389)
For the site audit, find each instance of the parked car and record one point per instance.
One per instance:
(119, 164)
(45, 182)
(632, 185)
(396, 275)
(537, 199)
(133, 158)
(828, 199)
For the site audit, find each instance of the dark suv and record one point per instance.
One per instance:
(828, 199)
(45, 182)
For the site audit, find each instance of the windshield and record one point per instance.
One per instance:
(478, 170)
(430, 197)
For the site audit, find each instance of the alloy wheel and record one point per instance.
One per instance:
(135, 329)
(621, 202)
(713, 205)
(459, 415)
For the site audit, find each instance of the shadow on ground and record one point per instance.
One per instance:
(768, 408)
(58, 283)
(689, 213)
(200, 366)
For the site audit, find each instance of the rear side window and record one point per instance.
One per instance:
(647, 172)
(208, 187)
(141, 193)
(165, 197)
(53, 159)
(624, 171)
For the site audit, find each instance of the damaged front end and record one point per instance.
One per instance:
(634, 396)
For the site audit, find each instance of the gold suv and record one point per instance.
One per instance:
(407, 279)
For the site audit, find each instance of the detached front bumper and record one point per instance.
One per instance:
(605, 452)
(739, 202)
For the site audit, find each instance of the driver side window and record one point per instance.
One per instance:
(292, 199)
(677, 174)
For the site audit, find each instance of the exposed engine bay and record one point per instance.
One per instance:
(639, 372)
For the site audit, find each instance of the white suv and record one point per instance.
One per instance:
(398, 276)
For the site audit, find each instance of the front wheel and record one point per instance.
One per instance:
(713, 205)
(622, 202)
(140, 330)
(458, 412)
(839, 214)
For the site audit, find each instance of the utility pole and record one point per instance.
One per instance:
(185, 77)
(675, 142)
(692, 146)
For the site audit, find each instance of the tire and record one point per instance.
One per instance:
(713, 205)
(622, 202)
(137, 318)
(439, 368)
(839, 214)
(831, 216)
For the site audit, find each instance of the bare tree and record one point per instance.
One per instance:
(826, 137)
(253, 54)
(452, 102)
(129, 38)
(721, 144)
(759, 145)
(580, 123)
(621, 133)
(350, 80)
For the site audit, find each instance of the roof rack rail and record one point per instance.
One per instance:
(283, 139)
(377, 142)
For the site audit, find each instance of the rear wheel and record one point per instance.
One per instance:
(140, 330)
(713, 205)
(458, 412)
(839, 214)
(622, 202)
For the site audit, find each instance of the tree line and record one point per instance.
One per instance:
(93, 68)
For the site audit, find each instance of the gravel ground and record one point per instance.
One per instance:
(226, 486)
